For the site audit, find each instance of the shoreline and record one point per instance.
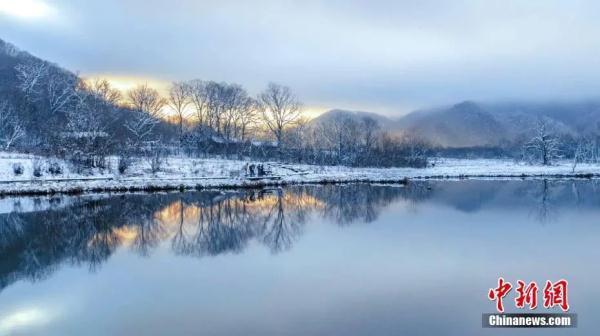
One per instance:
(91, 186)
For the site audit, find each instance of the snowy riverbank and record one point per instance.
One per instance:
(188, 173)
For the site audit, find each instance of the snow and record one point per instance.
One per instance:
(178, 172)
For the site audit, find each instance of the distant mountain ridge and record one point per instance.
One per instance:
(469, 124)
(383, 121)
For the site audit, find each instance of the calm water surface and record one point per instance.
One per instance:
(312, 260)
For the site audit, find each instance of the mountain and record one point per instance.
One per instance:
(32, 113)
(481, 124)
(462, 125)
(469, 124)
(384, 122)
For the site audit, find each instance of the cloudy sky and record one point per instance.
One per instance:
(385, 56)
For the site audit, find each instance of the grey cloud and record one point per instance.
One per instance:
(387, 56)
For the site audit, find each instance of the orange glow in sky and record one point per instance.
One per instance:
(125, 83)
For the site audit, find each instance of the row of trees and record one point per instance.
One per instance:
(207, 112)
(86, 120)
(228, 110)
(347, 140)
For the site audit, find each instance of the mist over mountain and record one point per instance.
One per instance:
(462, 125)
(382, 121)
(469, 124)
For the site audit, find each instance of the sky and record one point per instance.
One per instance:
(384, 56)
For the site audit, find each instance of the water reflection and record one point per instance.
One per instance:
(87, 231)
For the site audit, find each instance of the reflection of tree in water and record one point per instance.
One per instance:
(214, 229)
(285, 219)
(87, 232)
(542, 196)
(544, 210)
(273, 217)
(41, 241)
(547, 197)
(346, 204)
(148, 231)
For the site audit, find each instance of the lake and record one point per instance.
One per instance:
(355, 259)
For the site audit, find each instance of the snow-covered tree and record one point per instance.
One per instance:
(147, 106)
(61, 91)
(54, 87)
(86, 141)
(11, 129)
(544, 145)
(370, 127)
(31, 77)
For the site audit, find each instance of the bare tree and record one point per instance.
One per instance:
(247, 116)
(60, 91)
(544, 144)
(146, 99)
(342, 137)
(370, 128)
(31, 76)
(85, 116)
(102, 90)
(280, 109)
(103, 99)
(10, 127)
(225, 108)
(415, 149)
(199, 98)
(585, 151)
(300, 138)
(179, 99)
(214, 94)
(147, 105)
(233, 99)
(39, 82)
(86, 143)
(578, 154)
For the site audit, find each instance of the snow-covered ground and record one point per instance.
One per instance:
(188, 173)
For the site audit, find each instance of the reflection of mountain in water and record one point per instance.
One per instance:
(474, 195)
(87, 231)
